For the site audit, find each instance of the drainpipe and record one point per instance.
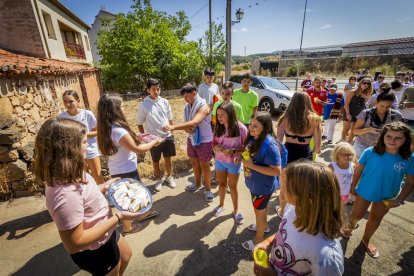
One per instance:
(41, 29)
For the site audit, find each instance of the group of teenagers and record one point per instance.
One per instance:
(225, 125)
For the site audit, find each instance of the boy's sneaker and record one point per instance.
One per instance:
(323, 137)
(329, 142)
(158, 185)
(170, 181)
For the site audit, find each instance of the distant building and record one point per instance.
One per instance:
(398, 46)
(260, 65)
(96, 27)
(44, 29)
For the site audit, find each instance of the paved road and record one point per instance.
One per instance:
(186, 240)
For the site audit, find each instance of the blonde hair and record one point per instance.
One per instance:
(318, 204)
(57, 157)
(342, 148)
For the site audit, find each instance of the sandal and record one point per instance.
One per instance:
(238, 218)
(252, 227)
(149, 215)
(371, 252)
(217, 211)
(248, 245)
(135, 229)
(278, 209)
(208, 196)
(192, 188)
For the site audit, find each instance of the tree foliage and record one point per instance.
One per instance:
(219, 47)
(148, 43)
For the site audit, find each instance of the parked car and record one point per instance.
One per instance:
(274, 96)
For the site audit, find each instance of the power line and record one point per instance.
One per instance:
(202, 8)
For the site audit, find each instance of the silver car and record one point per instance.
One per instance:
(274, 96)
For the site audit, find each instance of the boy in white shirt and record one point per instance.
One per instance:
(156, 113)
(208, 90)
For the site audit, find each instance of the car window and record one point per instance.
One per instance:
(256, 83)
(236, 79)
(274, 83)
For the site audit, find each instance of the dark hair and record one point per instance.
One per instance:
(209, 72)
(384, 87)
(247, 76)
(227, 85)
(386, 96)
(352, 77)
(151, 82)
(71, 93)
(57, 156)
(405, 149)
(265, 119)
(188, 88)
(395, 84)
(109, 114)
(233, 123)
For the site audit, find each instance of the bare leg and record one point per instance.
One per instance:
(282, 196)
(351, 133)
(157, 170)
(205, 168)
(346, 126)
(377, 213)
(168, 166)
(233, 179)
(126, 254)
(94, 165)
(116, 270)
(222, 180)
(197, 171)
(261, 225)
(358, 211)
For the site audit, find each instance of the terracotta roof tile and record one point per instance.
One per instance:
(11, 63)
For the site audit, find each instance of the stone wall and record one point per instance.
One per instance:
(25, 103)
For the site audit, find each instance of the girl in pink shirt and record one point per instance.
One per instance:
(76, 203)
(229, 136)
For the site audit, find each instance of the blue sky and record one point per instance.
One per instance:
(270, 25)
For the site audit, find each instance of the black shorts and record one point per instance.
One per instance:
(167, 148)
(102, 260)
(260, 201)
(298, 152)
(133, 174)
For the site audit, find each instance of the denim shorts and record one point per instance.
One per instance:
(227, 167)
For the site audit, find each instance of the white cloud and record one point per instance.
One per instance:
(308, 10)
(404, 19)
(324, 27)
(242, 30)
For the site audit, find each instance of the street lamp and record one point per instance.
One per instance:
(229, 23)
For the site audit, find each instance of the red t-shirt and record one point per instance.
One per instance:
(321, 95)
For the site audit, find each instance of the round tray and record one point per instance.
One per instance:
(115, 185)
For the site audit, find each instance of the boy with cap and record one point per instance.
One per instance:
(332, 111)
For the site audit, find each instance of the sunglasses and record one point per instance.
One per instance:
(353, 79)
(366, 82)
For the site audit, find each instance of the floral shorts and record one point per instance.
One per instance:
(202, 152)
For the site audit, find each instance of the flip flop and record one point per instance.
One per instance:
(208, 196)
(135, 229)
(192, 188)
(248, 245)
(150, 215)
(252, 227)
(238, 218)
(217, 211)
(277, 208)
(372, 253)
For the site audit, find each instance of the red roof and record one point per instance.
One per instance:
(20, 64)
(380, 42)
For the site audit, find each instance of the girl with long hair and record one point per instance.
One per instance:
(378, 179)
(117, 141)
(76, 203)
(229, 136)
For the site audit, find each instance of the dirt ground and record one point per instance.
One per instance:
(185, 239)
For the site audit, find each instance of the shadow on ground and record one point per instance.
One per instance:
(28, 223)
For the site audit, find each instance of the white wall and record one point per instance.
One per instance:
(93, 32)
(56, 48)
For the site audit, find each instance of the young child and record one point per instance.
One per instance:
(229, 136)
(264, 166)
(156, 112)
(117, 141)
(378, 179)
(306, 243)
(76, 203)
(332, 111)
(92, 158)
(247, 98)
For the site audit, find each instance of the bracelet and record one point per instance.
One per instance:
(399, 201)
(117, 216)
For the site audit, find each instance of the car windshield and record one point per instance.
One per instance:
(274, 83)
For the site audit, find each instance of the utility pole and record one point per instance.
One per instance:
(244, 50)
(228, 40)
(211, 34)
(300, 48)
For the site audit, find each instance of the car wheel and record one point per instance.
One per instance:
(266, 105)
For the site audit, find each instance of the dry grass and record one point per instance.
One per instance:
(180, 162)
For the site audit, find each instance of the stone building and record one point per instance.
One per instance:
(97, 26)
(30, 92)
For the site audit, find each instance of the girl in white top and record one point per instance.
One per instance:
(306, 242)
(92, 158)
(117, 141)
(343, 167)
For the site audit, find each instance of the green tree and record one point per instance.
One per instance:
(219, 47)
(148, 43)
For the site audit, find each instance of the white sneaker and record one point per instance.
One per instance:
(171, 182)
(158, 185)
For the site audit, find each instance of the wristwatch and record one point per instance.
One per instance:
(399, 201)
